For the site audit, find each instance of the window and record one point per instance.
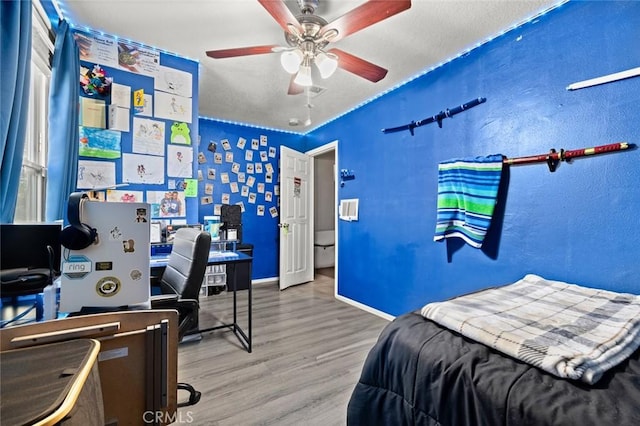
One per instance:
(31, 193)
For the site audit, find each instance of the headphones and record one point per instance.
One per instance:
(77, 235)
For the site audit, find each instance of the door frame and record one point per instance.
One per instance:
(331, 146)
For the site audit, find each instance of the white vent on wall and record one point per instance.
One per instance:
(349, 209)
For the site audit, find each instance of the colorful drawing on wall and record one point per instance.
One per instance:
(173, 81)
(142, 169)
(120, 196)
(94, 81)
(179, 161)
(166, 204)
(173, 107)
(148, 136)
(96, 174)
(180, 133)
(99, 143)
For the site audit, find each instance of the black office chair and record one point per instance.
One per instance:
(182, 278)
(18, 282)
(180, 285)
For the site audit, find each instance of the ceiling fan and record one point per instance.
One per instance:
(308, 35)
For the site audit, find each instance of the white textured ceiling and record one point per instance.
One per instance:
(253, 89)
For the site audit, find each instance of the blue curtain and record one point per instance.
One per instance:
(15, 45)
(63, 123)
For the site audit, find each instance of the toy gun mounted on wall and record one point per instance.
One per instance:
(436, 118)
(554, 158)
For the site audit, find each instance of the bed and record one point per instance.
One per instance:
(421, 372)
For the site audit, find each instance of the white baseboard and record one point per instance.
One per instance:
(365, 308)
(269, 280)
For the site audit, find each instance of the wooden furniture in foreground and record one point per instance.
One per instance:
(52, 384)
(137, 361)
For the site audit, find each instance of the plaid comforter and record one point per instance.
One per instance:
(567, 330)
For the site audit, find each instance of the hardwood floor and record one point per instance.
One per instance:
(308, 352)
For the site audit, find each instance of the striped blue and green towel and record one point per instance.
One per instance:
(467, 192)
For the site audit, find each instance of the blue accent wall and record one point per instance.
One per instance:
(261, 231)
(579, 224)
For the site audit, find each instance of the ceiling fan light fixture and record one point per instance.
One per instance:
(304, 76)
(290, 60)
(327, 64)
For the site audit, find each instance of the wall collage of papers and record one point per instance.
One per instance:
(246, 172)
(136, 126)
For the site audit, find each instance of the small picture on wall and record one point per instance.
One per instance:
(245, 191)
(248, 155)
(258, 167)
(268, 196)
(273, 211)
(225, 144)
(250, 181)
(242, 177)
(217, 158)
(255, 144)
(241, 142)
(260, 210)
(272, 152)
(263, 140)
(211, 173)
(234, 187)
(224, 177)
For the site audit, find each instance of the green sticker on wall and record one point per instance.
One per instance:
(191, 188)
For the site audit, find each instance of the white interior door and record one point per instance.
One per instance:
(296, 218)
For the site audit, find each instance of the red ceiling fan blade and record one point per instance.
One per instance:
(365, 15)
(281, 13)
(241, 51)
(359, 66)
(294, 89)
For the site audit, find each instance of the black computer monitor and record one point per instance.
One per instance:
(25, 245)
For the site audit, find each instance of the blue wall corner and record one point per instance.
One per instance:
(578, 224)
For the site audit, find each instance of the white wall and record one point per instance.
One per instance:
(324, 206)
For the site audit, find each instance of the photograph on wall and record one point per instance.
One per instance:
(234, 187)
(255, 144)
(245, 191)
(263, 140)
(120, 196)
(242, 177)
(174, 81)
(268, 196)
(250, 181)
(273, 211)
(241, 142)
(179, 161)
(272, 152)
(224, 177)
(260, 210)
(99, 143)
(173, 107)
(241, 204)
(248, 155)
(225, 144)
(96, 174)
(166, 204)
(148, 136)
(138, 168)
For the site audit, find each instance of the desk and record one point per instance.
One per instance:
(231, 259)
